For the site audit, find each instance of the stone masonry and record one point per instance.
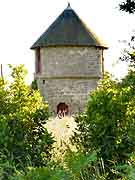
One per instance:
(68, 74)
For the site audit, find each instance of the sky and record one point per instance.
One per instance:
(23, 21)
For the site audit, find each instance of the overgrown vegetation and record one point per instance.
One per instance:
(108, 126)
(104, 140)
(72, 168)
(23, 139)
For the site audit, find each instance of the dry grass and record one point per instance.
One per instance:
(62, 130)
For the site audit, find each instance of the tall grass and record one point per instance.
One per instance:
(62, 130)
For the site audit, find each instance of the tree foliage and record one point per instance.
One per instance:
(108, 124)
(23, 139)
(129, 53)
(128, 6)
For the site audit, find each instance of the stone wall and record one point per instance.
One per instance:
(71, 61)
(68, 75)
(73, 92)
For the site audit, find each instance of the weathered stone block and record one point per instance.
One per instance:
(68, 75)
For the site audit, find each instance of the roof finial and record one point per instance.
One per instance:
(68, 7)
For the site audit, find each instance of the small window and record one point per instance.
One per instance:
(38, 61)
(43, 81)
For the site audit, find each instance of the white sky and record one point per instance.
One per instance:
(23, 21)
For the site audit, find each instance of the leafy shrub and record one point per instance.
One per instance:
(24, 141)
(108, 124)
(74, 165)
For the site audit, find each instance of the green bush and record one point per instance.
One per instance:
(108, 124)
(23, 139)
(72, 169)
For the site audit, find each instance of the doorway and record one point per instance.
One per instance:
(62, 110)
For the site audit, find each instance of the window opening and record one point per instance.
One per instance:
(43, 81)
(38, 61)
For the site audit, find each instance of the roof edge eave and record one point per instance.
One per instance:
(69, 45)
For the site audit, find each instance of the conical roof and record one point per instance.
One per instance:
(68, 30)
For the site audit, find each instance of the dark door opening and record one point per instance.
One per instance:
(62, 110)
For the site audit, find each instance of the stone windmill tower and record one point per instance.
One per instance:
(68, 63)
